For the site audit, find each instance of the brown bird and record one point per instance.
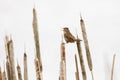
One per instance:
(68, 36)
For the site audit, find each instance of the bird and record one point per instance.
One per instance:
(69, 38)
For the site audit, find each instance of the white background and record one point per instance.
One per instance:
(102, 20)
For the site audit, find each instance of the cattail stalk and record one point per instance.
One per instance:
(88, 55)
(112, 71)
(77, 71)
(81, 59)
(11, 58)
(86, 44)
(62, 63)
(36, 38)
(25, 67)
(8, 68)
(37, 67)
(19, 72)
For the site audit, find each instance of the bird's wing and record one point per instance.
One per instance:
(71, 36)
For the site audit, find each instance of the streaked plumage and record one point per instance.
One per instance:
(68, 36)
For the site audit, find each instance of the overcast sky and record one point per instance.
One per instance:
(102, 20)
